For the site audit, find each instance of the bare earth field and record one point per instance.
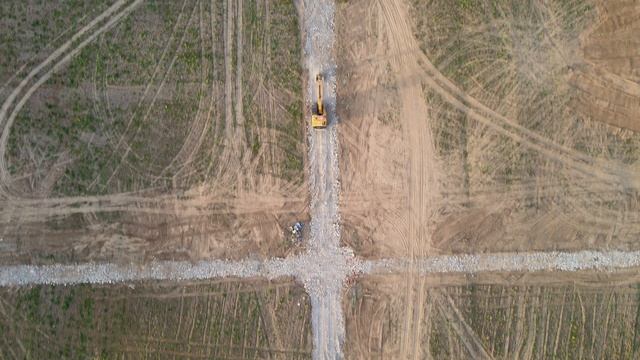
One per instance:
(485, 127)
(138, 131)
(149, 130)
(476, 126)
(222, 319)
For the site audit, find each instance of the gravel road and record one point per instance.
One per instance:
(328, 265)
(508, 262)
(93, 273)
(312, 270)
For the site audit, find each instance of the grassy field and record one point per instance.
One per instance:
(32, 28)
(185, 117)
(157, 101)
(228, 319)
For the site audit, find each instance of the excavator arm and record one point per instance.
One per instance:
(320, 104)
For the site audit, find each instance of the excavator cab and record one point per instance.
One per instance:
(318, 117)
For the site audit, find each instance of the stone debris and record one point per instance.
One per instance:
(509, 262)
(325, 268)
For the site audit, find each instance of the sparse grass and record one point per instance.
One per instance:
(272, 66)
(572, 318)
(154, 320)
(116, 129)
(466, 4)
(30, 28)
(91, 130)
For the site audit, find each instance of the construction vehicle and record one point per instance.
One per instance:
(318, 117)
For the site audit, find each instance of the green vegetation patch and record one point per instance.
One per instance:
(31, 29)
(116, 115)
(272, 81)
(204, 319)
(145, 104)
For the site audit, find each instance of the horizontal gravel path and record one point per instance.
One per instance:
(509, 262)
(311, 267)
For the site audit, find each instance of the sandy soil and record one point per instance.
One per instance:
(388, 164)
(471, 127)
(482, 135)
(608, 85)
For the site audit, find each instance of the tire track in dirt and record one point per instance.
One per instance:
(229, 148)
(465, 333)
(423, 169)
(616, 176)
(149, 84)
(234, 155)
(103, 101)
(212, 114)
(12, 77)
(240, 137)
(606, 97)
(251, 203)
(607, 171)
(40, 209)
(201, 124)
(236, 149)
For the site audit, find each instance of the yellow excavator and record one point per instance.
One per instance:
(318, 117)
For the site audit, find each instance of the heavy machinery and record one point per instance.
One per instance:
(318, 117)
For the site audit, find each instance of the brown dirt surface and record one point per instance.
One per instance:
(484, 126)
(174, 133)
(609, 87)
(222, 320)
(497, 316)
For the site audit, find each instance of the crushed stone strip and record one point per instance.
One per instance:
(110, 273)
(508, 262)
(325, 271)
(312, 269)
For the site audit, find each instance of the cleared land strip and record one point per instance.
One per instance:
(303, 267)
(90, 273)
(509, 262)
(324, 283)
(311, 269)
(72, 47)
